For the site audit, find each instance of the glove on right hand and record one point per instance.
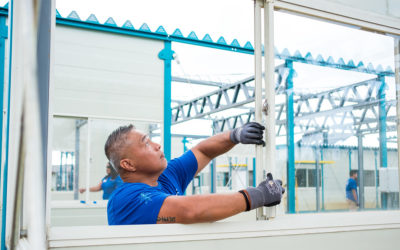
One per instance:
(267, 193)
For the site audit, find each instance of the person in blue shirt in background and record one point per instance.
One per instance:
(351, 191)
(153, 189)
(108, 184)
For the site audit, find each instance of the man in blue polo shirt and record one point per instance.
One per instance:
(351, 191)
(153, 189)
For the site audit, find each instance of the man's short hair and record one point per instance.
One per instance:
(115, 142)
(352, 172)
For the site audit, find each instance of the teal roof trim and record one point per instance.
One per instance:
(178, 33)
(221, 40)
(308, 56)
(57, 13)
(193, 36)
(145, 27)
(161, 30)
(128, 25)
(110, 21)
(351, 64)
(248, 46)
(127, 28)
(207, 38)
(235, 43)
(74, 16)
(92, 18)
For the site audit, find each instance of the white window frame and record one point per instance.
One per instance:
(285, 225)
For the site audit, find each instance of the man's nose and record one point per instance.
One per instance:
(157, 146)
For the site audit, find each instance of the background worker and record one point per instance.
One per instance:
(351, 191)
(108, 184)
(153, 188)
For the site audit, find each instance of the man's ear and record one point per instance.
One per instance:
(128, 165)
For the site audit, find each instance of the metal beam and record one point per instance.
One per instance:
(228, 96)
(196, 81)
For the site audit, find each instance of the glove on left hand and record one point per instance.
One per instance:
(250, 133)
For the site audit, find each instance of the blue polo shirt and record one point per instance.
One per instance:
(109, 185)
(139, 203)
(351, 184)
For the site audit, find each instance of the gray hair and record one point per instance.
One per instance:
(117, 140)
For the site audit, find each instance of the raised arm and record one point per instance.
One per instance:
(205, 151)
(210, 148)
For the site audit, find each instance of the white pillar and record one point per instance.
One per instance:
(269, 64)
(258, 93)
(397, 82)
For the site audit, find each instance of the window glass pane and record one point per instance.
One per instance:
(100, 129)
(79, 164)
(369, 178)
(69, 156)
(344, 113)
(301, 177)
(312, 177)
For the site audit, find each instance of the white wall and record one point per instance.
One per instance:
(106, 74)
(100, 74)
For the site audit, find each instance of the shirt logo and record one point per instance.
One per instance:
(145, 197)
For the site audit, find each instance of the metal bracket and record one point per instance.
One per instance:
(166, 54)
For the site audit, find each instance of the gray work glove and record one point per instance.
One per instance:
(250, 133)
(268, 193)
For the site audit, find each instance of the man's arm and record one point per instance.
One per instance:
(210, 148)
(355, 195)
(205, 151)
(213, 207)
(96, 188)
(200, 208)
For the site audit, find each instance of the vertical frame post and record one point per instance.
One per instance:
(322, 181)
(77, 155)
(213, 172)
(382, 131)
(360, 170)
(230, 173)
(167, 55)
(269, 64)
(184, 141)
(88, 160)
(317, 191)
(258, 92)
(376, 179)
(3, 37)
(213, 168)
(7, 142)
(397, 83)
(254, 173)
(291, 171)
(349, 160)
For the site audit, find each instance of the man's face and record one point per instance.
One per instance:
(355, 176)
(146, 155)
